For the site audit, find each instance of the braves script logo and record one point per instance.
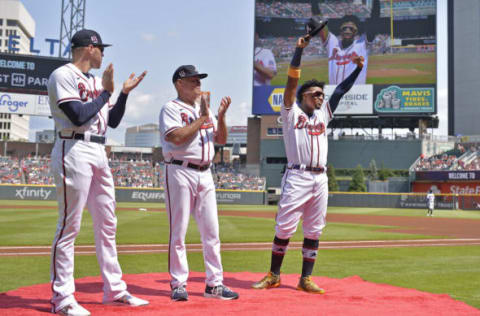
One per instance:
(342, 60)
(317, 129)
(85, 94)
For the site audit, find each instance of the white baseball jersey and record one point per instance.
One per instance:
(340, 65)
(265, 57)
(190, 192)
(430, 200)
(200, 149)
(68, 83)
(305, 137)
(82, 178)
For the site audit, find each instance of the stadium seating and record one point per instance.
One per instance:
(126, 173)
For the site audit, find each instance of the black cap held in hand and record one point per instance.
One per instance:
(86, 37)
(314, 26)
(186, 71)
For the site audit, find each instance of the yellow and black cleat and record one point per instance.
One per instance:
(271, 280)
(307, 285)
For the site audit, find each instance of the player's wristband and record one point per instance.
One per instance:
(294, 72)
(297, 56)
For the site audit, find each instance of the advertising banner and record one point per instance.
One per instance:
(17, 103)
(27, 73)
(457, 187)
(447, 175)
(404, 99)
(48, 193)
(269, 99)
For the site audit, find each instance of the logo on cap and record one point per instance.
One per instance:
(181, 73)
(94, 39)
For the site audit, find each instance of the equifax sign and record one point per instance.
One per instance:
(13, 43)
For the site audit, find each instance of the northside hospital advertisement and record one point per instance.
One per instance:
(399, 75)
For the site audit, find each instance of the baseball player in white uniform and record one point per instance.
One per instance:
(342, 50)
(264, 67)
(188, 131)
(305, 183)
(80, 107)
(430, 203)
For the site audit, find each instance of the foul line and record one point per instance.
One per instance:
(163, 248)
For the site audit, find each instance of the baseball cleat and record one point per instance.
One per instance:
(306, 284)
(179, 294)
(73, 309)
(221, 292)
(271, 280)
(129, 300)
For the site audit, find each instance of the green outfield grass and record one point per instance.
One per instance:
(452, 270)
(407, 68)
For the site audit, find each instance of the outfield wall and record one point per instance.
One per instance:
(48, 193)
(403, 200)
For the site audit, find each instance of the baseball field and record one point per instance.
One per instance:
(390, 248)
(402, 68)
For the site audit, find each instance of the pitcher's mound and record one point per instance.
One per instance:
(349, 296)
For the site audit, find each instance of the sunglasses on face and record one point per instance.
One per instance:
(316, 94)
(349, 28)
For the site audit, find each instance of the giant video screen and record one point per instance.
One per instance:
(397, 38)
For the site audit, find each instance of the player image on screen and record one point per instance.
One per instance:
(350, 41)
(264, 65)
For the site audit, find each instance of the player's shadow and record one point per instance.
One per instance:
(11, 301)
(96, 287)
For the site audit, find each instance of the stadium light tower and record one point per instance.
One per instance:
(73, 19)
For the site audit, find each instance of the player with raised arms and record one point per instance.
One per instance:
(305, 183)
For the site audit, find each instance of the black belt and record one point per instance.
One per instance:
(312, 169)
(93, 138)
(190, 165)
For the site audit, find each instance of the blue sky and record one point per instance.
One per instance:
(158, 36)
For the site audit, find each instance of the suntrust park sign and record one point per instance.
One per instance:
(27, 74)
(448, 175)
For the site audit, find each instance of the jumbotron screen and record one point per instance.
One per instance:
(397, 38)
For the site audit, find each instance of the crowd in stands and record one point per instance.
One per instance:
(408, 7)
(10, 172)
(463, 157)
(283, 9)
(334, 9)
(126, 173)
(228, 177)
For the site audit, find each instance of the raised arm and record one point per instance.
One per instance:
(294, 74)
(346, 84)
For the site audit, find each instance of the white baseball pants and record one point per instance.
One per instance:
(304, 194)
(83, 177)
(189, 191)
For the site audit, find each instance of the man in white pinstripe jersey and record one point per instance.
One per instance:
(188, 132)
(80, 106)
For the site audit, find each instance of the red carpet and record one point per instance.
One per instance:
(349, 296)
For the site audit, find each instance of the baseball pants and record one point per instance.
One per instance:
(83, 177)
(189, 191)
(304, 194)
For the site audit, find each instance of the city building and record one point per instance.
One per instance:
(147, 135)
(17, 22)
(45, 136)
